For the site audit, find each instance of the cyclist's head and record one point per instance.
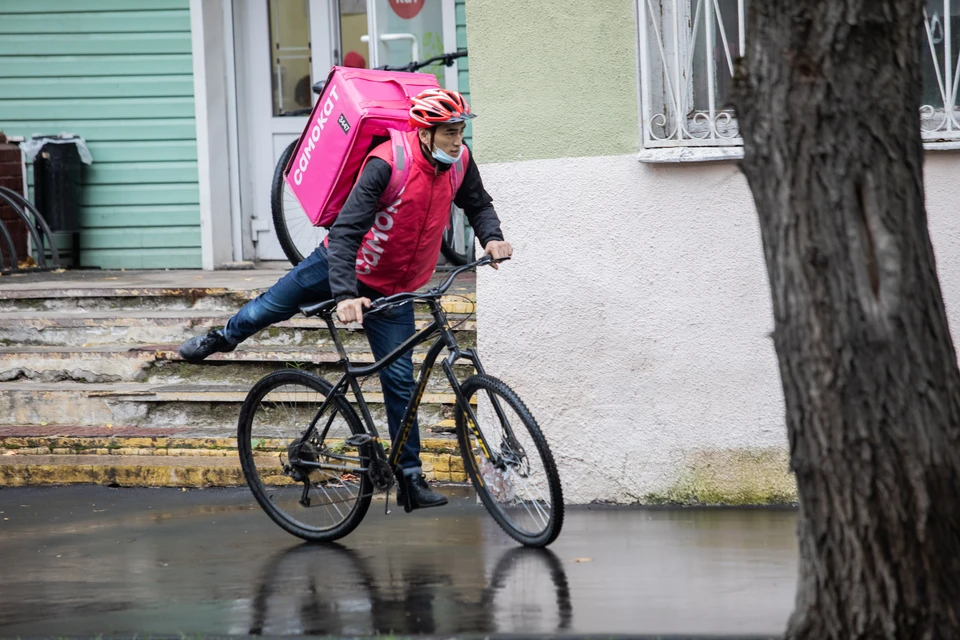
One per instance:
(438, 106)
(440, 115)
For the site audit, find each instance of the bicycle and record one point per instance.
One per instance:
(305, 451)
(298, 237)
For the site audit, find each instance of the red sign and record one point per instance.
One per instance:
(406, 9)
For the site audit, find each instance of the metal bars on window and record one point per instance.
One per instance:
(687, 49)
(687, 53)
(939, 118)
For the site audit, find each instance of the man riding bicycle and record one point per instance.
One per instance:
(377, 249)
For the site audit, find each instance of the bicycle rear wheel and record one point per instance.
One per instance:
(311, 503)
(516, 478)
(296, 235)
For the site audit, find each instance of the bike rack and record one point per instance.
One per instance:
(38, 229)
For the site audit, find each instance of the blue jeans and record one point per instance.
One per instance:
(309, 281)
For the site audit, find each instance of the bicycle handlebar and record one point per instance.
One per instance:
(381, 304)
(447, 60)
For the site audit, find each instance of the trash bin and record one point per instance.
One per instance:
(57, 187)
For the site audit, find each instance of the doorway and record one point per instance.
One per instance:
(283, 46)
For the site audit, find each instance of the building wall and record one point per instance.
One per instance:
(119, 74)
(553, 79)
(635, 318)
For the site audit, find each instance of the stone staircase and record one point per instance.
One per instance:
(93, 390)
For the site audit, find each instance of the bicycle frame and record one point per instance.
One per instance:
(447, 340)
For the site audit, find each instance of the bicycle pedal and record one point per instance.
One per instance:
(358, 440)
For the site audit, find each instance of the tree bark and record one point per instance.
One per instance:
(828, 98)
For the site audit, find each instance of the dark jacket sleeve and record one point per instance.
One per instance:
(478, 205)
(355, 220)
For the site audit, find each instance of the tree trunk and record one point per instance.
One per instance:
(828, 98)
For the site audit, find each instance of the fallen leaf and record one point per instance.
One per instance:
(113, 278)
(583, 559)
(9, 453)
(43, 424)
(248, 279)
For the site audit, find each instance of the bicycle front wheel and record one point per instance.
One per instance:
(316, 491)
(296, 234)
(511, 466)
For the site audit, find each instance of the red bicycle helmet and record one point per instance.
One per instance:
(438, 106)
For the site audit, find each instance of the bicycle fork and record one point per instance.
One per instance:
(471, 416)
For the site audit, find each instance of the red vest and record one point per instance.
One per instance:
(400, 251)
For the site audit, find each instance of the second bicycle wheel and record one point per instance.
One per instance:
(458, 244)
(313, 503)
(297, 236)
(515, 474)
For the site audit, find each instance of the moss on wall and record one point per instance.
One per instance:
(732, 477)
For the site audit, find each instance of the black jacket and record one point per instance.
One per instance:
(358, 213)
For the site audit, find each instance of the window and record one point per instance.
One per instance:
(939, 119)
(687, 51)
(290, 55)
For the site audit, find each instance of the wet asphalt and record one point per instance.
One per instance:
(87, 561)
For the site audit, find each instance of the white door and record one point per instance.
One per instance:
(283, 47)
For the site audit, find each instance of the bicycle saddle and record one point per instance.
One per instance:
(317, 308)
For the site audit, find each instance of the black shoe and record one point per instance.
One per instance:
(413, 492)
(196, 349)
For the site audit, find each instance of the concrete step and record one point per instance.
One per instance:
(119, 471)
(161, 364)
(210, 299)
(67, 299)
(164, 460)
(97, 350)
(138, 441)
(203, 410)
(157, 471)
(91, 328)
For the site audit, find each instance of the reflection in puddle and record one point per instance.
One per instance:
(331, 589)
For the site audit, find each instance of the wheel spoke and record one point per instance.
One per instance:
(276, 417)
(528, 504)
(301, 231)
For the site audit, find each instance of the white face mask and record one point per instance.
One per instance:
(442, 156)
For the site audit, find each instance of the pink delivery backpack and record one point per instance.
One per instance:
(358, 110)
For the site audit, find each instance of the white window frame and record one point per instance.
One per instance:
(672, 131)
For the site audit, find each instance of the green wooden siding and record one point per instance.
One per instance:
(120, 74)
(464, 64)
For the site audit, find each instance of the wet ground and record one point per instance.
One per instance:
(94, 560)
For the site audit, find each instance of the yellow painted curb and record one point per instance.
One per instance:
(120, 475)
(190, 476)
(137, 446)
